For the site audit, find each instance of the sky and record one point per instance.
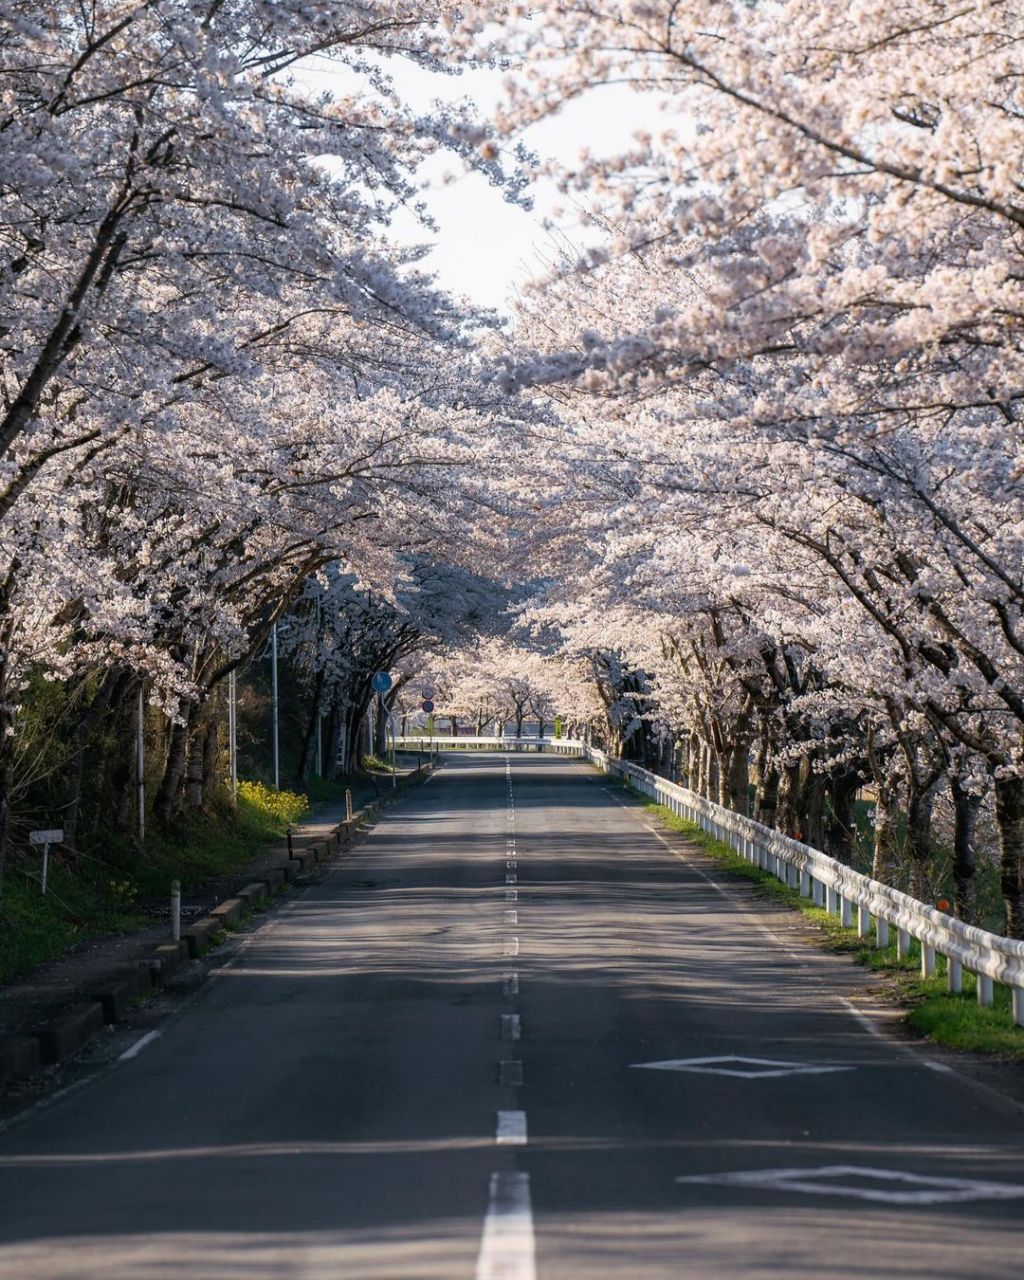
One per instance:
(486, 247)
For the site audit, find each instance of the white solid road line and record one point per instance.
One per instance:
(511, 1129)
(507, 1249)
(138, 1046)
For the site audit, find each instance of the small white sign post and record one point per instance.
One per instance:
(52, 835)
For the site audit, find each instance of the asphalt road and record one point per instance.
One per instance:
(435, 1062)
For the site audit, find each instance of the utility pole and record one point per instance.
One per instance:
(273, 703)
(233, 734)
(140, 760)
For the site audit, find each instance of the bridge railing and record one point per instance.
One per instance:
(855, 898)
(559, 746)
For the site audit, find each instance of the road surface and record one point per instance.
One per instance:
(516, 1034)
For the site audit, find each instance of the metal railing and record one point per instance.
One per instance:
(855, 898)
(560, 746)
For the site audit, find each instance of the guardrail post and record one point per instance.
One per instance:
(810, 873)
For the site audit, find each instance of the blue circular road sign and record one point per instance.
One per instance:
(427, 706)
(381, 682)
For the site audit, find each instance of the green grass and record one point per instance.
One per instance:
(91, 896)
(205, 845)
(956, 1021)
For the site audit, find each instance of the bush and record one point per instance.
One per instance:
(285, 807)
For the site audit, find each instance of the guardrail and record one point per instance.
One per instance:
(845, 892)
(560, 746)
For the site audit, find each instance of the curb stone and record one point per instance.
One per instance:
(70, 1031)
(20, 1057)
(66, 1034)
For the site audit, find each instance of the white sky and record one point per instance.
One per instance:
(485, 247)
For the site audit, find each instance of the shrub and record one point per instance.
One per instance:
(286, 807)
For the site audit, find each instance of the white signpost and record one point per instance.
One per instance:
(52, 835)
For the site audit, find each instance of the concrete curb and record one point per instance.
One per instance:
(115, 994)
(201, 936)
(229, 911)
(20, 1058)
(70, 1031)
(109, 1001)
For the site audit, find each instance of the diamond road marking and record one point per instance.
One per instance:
(902, 1188)
(760, 1068)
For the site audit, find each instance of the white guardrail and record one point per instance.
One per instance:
(843, 891)
(838, 888)
(561, 746)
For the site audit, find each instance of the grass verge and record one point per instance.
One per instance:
(956, 1021)
(89, 896)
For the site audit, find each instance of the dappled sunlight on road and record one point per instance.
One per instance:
(398, 1254)
(327, 1105)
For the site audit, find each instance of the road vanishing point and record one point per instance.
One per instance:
(517, 1033)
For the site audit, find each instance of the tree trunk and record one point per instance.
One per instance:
(710, 774)
(965, 815)
(885, 862)
(920, 803)
(841, 830)
(308, 755)
(211, 757)
(722, 763)
(739, 778)
(766, 797)
(814, 811)
(787, 818)
(86, 724)
(196, 768)
(174, 771)
(1010, 821)
(380, 735)
(7, 716)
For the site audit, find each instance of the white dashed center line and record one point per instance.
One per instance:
(507, 1249)
(511, 1129)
